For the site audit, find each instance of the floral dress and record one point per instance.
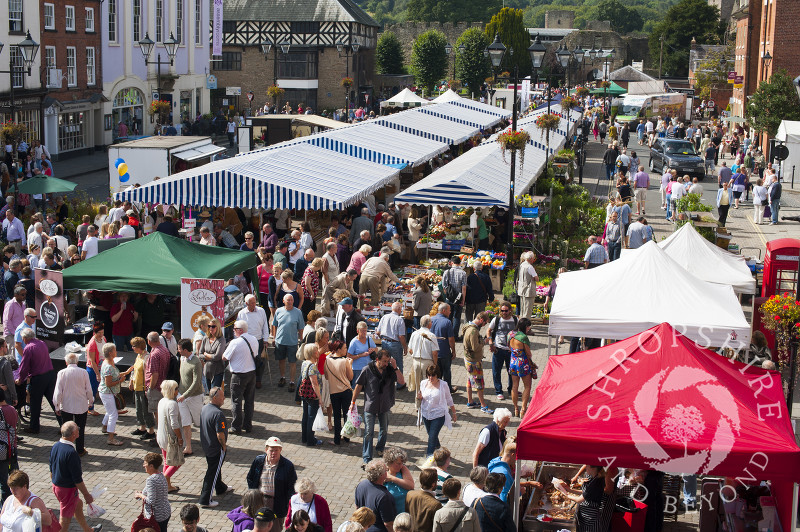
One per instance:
(521, 365)
(310, 283)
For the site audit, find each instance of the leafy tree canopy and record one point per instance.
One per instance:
(623, 19)
(773, 101)
(429, 60)
(713, 71)
(684, 20)
(452, 10)
(472, 68)
(389, 54)
(509, 25)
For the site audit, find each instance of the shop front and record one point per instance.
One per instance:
(127, 112)
(27, 111)
(71, 128)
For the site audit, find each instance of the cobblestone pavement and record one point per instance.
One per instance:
(336, 471)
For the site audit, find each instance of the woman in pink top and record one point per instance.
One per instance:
(93, 350)
(357, 261)
(264, 271)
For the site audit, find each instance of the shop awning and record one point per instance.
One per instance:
(462, 115)
(371, 142)
(298, 176)
(450, 96)
(155, 264)
(424, 125)
(479, 178)
(192, 154)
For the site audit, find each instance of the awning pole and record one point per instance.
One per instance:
(518, 493)
(549, 345)
(428, 233)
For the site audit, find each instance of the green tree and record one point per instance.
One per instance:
(429, 60)
(508, 24)
(389, 54)
(712, 72)
(472, 68)
(623, 18)
(684, 20)
(773, 101)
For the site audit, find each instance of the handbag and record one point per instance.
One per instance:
(174, 451)
(142, 522)
(306, 389)
(767, 212)
(119, 401)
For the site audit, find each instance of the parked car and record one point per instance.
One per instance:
(678, 154)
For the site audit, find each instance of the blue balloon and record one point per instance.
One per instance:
(124, 178)
(118, 162)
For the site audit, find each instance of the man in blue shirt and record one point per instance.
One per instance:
(67, 477)
(390, 229)
(287, 326)
(442, 328)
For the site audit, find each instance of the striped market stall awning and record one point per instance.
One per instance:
(416, 122)
(462, 115)
(300, 176)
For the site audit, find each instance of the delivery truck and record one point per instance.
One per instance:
(153, 157)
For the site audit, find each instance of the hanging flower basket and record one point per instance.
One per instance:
(781, 315)
(514, 141)
(581, 92)
(275, 92)
(161, 109)
(346, 83)
(12, 132)
(605, 84)
(568, 103)
(547, 122)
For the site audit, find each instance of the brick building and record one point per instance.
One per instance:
(70, 49)
(303, 58)
(746, 19)
(22, 101)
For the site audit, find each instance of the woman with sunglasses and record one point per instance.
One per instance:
(248, 242)
(211, 349)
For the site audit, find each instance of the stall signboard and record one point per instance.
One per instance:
(201, 297)
(50, 307)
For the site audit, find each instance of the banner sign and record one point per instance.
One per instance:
(216, 35)
(201, 297)
(731, 76)
(738, 82)
(50, 307)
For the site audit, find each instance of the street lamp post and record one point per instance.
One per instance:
(268, 46)
(171, 46)
(349, 50)
(537, 52)
(28, 48)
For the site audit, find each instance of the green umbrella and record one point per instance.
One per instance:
(613, 90)
(44, 185)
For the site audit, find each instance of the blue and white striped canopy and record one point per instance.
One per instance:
(462, 115)
(479, 178)
(428, 126)
(300, 176)
(371, 142)
(481, 107)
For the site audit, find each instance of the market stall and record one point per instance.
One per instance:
(405, 98)
(643, 289)
(155, 264)
(658, 401)
(451, 97)
(416, 122)
(298, 176)
(462, 115)
(708, 261)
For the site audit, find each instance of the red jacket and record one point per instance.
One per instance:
(321, 508)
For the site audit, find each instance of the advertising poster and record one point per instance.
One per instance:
(199, 297)
(216, 32)
(49, 307)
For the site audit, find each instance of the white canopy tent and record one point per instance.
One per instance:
(300, 176)
(789, 132)
(707, 261)
(643, 289)
(405, 98)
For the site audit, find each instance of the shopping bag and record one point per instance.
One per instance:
(320, 423)
(95, 510)
(354, 417)
(348, 430)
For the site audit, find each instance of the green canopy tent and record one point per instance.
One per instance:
(155, 264)
(44, 185)
(613, 90)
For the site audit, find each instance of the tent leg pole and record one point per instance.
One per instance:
(549, 345)
(794, 506)
(518, 493)
(430, 220)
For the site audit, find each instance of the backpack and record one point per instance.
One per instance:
(496, 321)
(450, 292)
(174, 370)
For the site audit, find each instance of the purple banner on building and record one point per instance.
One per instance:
(216, 35)
(49, 307)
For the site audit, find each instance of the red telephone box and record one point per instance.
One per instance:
(780, 267)
(780, 276)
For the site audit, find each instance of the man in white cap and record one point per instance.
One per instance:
(167, 339)
(274, 476)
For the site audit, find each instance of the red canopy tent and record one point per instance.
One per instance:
(659, 401)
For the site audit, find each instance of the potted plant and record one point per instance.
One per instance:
(275, 92)
(346, 83)
(781, 315)
(13, 132)
(514, 141)
(568, 103)
(160, 109)
(581, 92)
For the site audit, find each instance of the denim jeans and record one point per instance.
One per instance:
(94, 383)
(614, 249)
(369, 433)
(310, 407)
(500, 357)
(669, 204)
(433, 426)
(340, 402)
(123, 343)
(609, 171)
(455, 317)
(396, 350)
(445, 362)
(774, 207)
